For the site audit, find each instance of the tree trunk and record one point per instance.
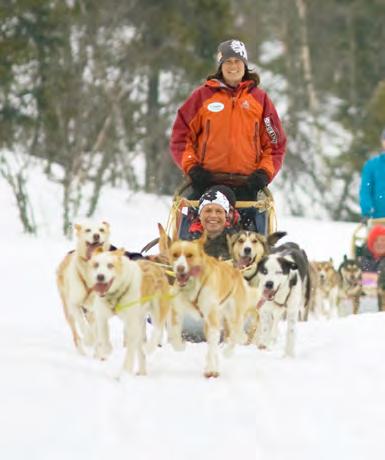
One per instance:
(305, 57)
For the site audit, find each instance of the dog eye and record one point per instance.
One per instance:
(95, 265)
(264, 271)
(175, 255)
(188, 256)
(110, 265)
(241, 240)
(88, 230)
(101, 230)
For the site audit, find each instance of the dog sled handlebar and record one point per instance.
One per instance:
(231, 180)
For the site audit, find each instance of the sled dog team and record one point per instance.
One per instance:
(240, 302)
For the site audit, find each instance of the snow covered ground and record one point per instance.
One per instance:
(326, 404)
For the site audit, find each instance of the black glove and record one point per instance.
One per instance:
(200, 178)
(257, 181)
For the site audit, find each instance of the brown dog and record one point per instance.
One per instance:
(212, 290)
(350, 282)
(326, 285)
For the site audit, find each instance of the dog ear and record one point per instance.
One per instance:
(106, 224)
(230, 239)
(202, 240)
(287, 264)
(119, 252)
(274, 237)
(77, 227)
(164, 240)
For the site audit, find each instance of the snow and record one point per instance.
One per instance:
(327, 403)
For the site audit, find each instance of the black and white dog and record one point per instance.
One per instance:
(284, 283)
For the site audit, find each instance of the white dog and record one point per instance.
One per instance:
(285, 285)
(74, 285)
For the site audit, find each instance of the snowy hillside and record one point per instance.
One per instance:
(326, 404)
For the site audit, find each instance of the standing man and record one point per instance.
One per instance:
(372, 190)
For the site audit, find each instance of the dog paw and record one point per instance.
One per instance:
(103, 351)
(211, 374)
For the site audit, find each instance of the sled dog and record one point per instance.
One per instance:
(285, 286)
(327, 289)
(350, 282)
(210, 289)
(131, 290)
(73, 282)
(247, 249)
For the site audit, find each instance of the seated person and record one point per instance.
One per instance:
(218, 217)
(373, 253)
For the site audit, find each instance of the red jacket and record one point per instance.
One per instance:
(228, 130)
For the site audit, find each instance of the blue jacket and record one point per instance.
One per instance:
(372, 190)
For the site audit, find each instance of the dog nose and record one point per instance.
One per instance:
(269, 284)
(247, 251)
(180, 269)
(100, 278)
(96, 236)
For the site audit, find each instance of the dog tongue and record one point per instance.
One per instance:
(90, 249)
(268, 294)
(244, 262)
(102, 288)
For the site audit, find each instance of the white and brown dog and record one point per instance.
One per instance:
(326, 289)
(210, 289)
(74, 284)
(247, 249)
(131, 290)
(285, 287)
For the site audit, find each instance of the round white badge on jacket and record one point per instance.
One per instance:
(216, 106)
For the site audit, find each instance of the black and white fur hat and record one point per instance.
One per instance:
(231, 49)
(218, 194)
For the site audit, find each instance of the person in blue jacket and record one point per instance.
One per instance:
(372, 190)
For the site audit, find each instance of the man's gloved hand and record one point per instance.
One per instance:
(257, 181)
(200, 177)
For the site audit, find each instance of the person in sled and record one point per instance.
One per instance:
(372, 189)
(372, 259)
(228, 132)
(218, 218)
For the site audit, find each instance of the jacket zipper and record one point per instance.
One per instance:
(205, 142)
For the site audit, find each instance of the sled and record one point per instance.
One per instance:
(359, 238)
(183, 210)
